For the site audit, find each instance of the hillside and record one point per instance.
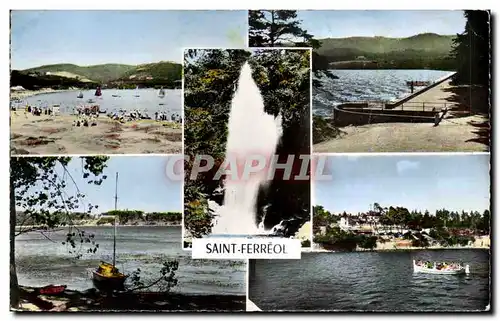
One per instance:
(166, 74)
(96, 73)
(419, 51)
(163, 73)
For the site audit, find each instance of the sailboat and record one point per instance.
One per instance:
(137, 95)
(161, 93)
(80, 95)
(107, 277)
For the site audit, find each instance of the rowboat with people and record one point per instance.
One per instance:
(439, 268)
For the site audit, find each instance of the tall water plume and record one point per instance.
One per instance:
(252, 134)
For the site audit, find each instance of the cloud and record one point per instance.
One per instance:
(406, 165)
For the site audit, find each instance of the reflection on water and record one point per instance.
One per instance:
(363, 85)
(369, 281)
(111, 100)
(41, 262)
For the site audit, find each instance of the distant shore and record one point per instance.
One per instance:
(22, 94)
(91, 300)
(391, 248)
(94, 224)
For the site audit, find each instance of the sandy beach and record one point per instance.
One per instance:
(54, 135)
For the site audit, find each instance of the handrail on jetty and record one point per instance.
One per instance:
(423, 106)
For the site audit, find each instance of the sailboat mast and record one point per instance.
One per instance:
(114, 234)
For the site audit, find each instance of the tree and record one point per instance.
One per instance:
(282, 28)
(472, 49)
(37, 187)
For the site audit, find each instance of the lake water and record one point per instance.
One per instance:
(369, 281)
(148, 100)
(41, 262)
(363, 85)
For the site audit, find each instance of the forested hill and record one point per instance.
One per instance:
(60, 76)
(428, 50)
(96, 73)
(161, 73)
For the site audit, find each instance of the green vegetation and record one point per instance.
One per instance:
(33, 82)
(97, 73)
(62, 76)
(472, 50)
(154, 75)
(282, 28)
(323, 129)
(447, 228)
(134, 217)
(422, 51)
(210, 78)
(38, 188)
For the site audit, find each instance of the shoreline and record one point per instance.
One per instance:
(317, 248)
(92, 300)
(22, 94)
(99, 225)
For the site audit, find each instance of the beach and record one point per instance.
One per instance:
(53, 135)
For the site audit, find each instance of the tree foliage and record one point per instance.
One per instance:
(38, 187)
(164, 283)
(446, 227)
(282, 28)
(210, 80)
(472, 49)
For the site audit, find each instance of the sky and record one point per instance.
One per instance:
(142, 185)
(370, 23)
(417, 182)
(130, 37)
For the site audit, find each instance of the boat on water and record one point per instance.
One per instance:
(440, 268)
(80, 95)
(107, 277)
(90, 101)
(98, 92)
(52, 289)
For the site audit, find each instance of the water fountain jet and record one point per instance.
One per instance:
(251, 132)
